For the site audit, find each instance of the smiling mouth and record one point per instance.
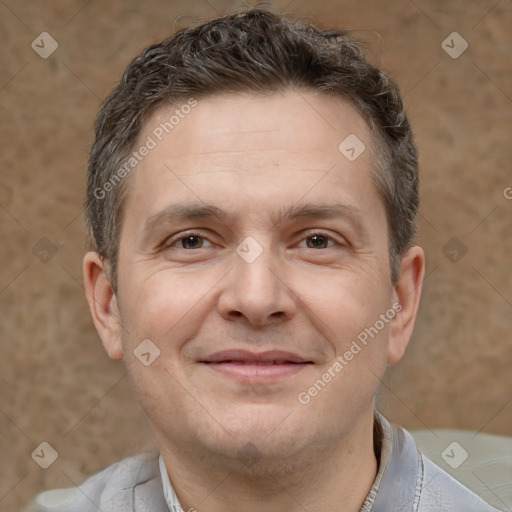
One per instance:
(254, 368)
(255, 363)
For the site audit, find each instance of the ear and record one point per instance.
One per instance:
(407, 299)
(102, 303)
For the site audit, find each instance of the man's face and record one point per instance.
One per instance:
(250, 308)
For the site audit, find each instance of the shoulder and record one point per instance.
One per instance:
(481, 462)
(412, 479)
(440, 491)
(120, 486)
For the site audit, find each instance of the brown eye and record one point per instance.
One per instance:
(191, 242)
(319, 241)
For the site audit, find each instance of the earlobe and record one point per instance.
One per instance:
(407, 294)
(102, 303)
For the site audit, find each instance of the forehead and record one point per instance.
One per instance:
(309, 119)
(267, 150)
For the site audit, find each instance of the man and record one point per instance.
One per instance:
(252, 195)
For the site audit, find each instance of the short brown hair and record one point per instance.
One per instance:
(251, 51)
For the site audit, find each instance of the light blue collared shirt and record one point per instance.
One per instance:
(406, 481)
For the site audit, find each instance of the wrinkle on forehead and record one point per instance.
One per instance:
(277, 121)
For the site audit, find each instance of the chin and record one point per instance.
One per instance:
(279, 455)
(262, 432)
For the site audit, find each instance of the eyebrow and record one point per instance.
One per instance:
(193, 211)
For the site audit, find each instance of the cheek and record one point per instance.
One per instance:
(347, 303)
(167, 306)
(363, 320)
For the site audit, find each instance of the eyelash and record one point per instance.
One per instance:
(173, 240)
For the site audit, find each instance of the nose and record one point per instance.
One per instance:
(257, 289)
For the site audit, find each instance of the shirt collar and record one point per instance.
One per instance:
(170, 496)
(400, 475)
(382, 442)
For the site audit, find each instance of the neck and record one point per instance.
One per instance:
(338, 476)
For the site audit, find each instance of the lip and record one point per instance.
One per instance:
(255, 367)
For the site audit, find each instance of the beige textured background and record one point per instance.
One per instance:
(57, 385)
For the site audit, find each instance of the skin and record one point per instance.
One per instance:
(254, 156)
